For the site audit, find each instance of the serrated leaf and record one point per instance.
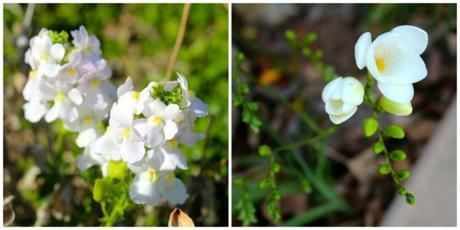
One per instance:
(370, 126)
(398, 155)
(384, 169)
(394, 131)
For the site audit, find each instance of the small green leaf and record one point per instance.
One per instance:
(410, 198)
(318, 54)
(402, 190)
(378, 147)
(264, 150)
(102, 186)
(290, 36)
(384, 169)
(370, 126)
(265, 183)
(306, 52)
(394, 108)
(310, 38)
(240, 58)
(275, 167)
(398, 155)
(394, 131)
(403, 174)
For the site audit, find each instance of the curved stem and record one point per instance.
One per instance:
(177, 45)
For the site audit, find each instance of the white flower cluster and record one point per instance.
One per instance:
(68, 81)
(145, 130)
(393, 59)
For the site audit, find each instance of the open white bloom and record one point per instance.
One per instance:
(154, 186)
(393, 59)
(342, 97)
(89, 44)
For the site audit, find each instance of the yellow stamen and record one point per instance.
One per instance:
(94, 82)
(152, 175)
(88, 49)
(32, 74)
(172, 144)
(170, 177)
(156, 120)
(43, 57)
(88, 120)
(135, 95)
(59, 97)
(380, 64)
(72, 72)
(126, 133)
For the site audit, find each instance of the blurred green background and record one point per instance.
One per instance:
(136, 40)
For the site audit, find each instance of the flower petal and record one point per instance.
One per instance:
(125, 87)
(85, 137)
(361, 48)
(338, 119)
(171, 112)
(176, 192)
(132, 151)
(144, 191)
(330, 90)
(57, 52)
(413, 37)
(399, 93)
(170, 129)
(34, 111)
(53, 113)
(75, 96)
(352, 91)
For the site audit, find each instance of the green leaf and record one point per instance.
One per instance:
(394, 131)
(290, 36)
(306, 186)
(398, 155)
(246, 210)
(117, 170)
(402, 190)
(378, 147)
(310, 38)
(370, 126)
(264, 150)
(410, 198)
(384, 169)
(275, 168)
(102, 187)
(265, 183)
(240, 58)
(403, 174)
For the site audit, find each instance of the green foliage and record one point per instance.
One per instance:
(378, 147)
(59, 37)
(394, 131)
(410, 198)
(370, 126)
(270, 183)
(398, 155)
(384, 169)
(249, 108)
(173, 96)
(245, 207)
(264, 150)
(402, 174)
(117, 170)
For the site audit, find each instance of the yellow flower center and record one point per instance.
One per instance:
(72, 72)
(380, 64)
(94, 82)
(88, 49)
(32, 74)
(156, 120)
(43, 57)
(126, 133)
(135, 96)
(172, 144)
(152, 175)
(88, 120)
(59, 97)
(170, 177)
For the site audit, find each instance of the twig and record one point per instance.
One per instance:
(180, 37)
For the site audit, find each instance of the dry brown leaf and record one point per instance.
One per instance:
(178, 218)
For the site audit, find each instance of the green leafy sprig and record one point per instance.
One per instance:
(372, 127)
(270, 182)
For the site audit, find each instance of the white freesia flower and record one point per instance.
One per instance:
(342, 97)
(89, 44)
(393, 59)
(154, 186)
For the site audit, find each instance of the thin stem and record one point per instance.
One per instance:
(179, 39)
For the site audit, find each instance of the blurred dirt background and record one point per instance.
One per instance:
(259, 33)
(136, 40)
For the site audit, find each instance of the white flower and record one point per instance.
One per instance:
(130, 99)
(342, 97)
(65, 101)
(154, 186)
(393, 59)
(86, 124)
(34, 110)
(90, 45)
(159, 124)
(44, 55)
